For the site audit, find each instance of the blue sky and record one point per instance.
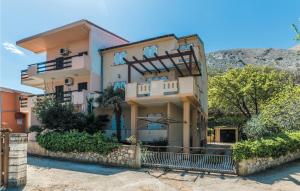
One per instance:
(222, 24)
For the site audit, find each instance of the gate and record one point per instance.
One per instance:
(218, 160)
(4, 145)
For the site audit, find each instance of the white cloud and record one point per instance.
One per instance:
(12, 48)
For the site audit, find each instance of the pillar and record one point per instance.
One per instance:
(134, 115)
(186, 126)
(195, 130)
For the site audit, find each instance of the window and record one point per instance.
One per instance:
(154, 117)
(186, 46)
(82, 86)
(150, 50)
(155, 78)
(118, 58)
(119, 85)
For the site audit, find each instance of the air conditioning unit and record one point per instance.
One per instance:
(69, 81)
(65, 52)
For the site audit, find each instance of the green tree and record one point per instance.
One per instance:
(297, 37)
(279, 114)
(245, 89)
(114, 97)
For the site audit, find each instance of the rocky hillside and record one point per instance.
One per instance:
(223, 60)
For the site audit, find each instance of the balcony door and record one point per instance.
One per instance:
(59, 93)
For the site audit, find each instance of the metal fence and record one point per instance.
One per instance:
(218, 160)
(4, 146)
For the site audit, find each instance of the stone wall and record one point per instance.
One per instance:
(17, 170)
(126, 155)
(250, 166)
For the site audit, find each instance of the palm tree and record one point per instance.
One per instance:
(114, 97)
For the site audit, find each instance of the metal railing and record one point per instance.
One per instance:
(218, 160)
(50, 65)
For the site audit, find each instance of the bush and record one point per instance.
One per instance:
(281, 113)
(35, 128)
(272, 146)
(75, 141)
(63, 117)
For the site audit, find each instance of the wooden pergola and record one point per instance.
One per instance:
(166, 62)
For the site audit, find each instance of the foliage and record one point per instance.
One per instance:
(63, 117)
(115, 97)
(226, 120)
(272, 146)
(297, 37)
(35, 128)
(74, 141)
(245, 89)
(281, 113)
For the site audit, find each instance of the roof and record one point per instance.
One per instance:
(4, 89)
(68, 25)
(151, 39)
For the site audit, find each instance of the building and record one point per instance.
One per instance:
(165, 79)
(12, 112)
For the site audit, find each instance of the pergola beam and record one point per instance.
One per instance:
(131, 65)
(146, 58)
(195, 59)
(174, 64)
(187, 67)
(134, 58)
(161, 62)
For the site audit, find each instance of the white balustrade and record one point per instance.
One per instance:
(143, 89)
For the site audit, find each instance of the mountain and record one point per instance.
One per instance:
(287, 59)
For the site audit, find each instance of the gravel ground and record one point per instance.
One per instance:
(48, 175)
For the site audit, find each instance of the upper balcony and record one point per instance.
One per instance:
(163, 91)
(56, 68)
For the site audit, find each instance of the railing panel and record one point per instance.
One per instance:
(143, 89)
(171, 86)
(200, 162)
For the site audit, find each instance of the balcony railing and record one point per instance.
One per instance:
(51, 65)
(76, 97)
(187, 86)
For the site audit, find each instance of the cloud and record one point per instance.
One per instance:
(12, 48)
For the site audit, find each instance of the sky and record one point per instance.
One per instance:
(221, 24)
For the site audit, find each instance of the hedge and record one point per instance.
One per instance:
(272, 146)
(75, 141)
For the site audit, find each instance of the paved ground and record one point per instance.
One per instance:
(48, 175)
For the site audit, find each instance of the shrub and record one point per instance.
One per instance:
(35, 128)
(272, 146)
(75, 141)
(281, 113)
(63, 117)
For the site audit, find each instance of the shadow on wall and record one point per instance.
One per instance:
(72, 166)
(287, 172)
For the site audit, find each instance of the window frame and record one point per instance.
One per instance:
(149, 47)
(122, 62)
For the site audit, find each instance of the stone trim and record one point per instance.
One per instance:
(125, 155)
(250, 166)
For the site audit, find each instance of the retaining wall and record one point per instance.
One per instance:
(250, 166)
(126, 155)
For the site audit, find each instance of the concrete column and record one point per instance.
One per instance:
(195, 131)
(134, 115)
(186, 126)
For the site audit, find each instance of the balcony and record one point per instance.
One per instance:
(55, 68)
(163, 91)
(78, 98)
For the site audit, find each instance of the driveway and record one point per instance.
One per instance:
(48, 174)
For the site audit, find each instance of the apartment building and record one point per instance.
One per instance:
(13, 116)
(164, 78)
